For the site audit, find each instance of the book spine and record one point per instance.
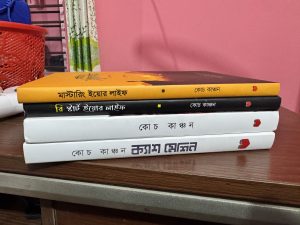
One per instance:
(153, 106)
(72, 151)
(104, 127)
(96, 93)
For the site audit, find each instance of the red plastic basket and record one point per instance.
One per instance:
(22, 53)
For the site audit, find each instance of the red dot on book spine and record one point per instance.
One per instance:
(254, 88)
(244, 143)
(256, 123)
(248, 104)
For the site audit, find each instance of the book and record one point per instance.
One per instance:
(104, 86)
(101, 127)
(156, 106)
(87, 150)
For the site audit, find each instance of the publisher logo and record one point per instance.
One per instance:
(244, 143)
(248, 104)
(256, 123)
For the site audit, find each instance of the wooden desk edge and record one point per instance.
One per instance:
(148, 201)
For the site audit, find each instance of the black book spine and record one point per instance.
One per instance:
(159, 106)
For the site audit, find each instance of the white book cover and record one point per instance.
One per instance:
(87, 150)
(105, 127)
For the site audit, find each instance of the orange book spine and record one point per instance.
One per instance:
(98, 93)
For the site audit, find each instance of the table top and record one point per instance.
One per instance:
(271, 176)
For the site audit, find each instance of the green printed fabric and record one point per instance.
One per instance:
(83, 46)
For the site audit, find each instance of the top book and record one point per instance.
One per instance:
(103, 86)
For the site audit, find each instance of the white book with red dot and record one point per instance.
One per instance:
(105, 127)
(142, 147)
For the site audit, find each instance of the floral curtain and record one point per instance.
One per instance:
(83, 46)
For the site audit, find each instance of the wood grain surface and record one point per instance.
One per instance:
(14, 211)
(265, 175)
(14, 217)
(74, 214)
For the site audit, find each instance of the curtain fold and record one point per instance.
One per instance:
(83, 46)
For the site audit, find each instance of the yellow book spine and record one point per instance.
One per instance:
(96, 93)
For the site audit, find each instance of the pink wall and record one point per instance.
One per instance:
(253, 38)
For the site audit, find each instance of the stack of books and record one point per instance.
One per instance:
(83, 116)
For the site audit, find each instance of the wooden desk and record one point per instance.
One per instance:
(261, 186)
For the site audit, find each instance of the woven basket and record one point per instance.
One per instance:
(22, 53)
